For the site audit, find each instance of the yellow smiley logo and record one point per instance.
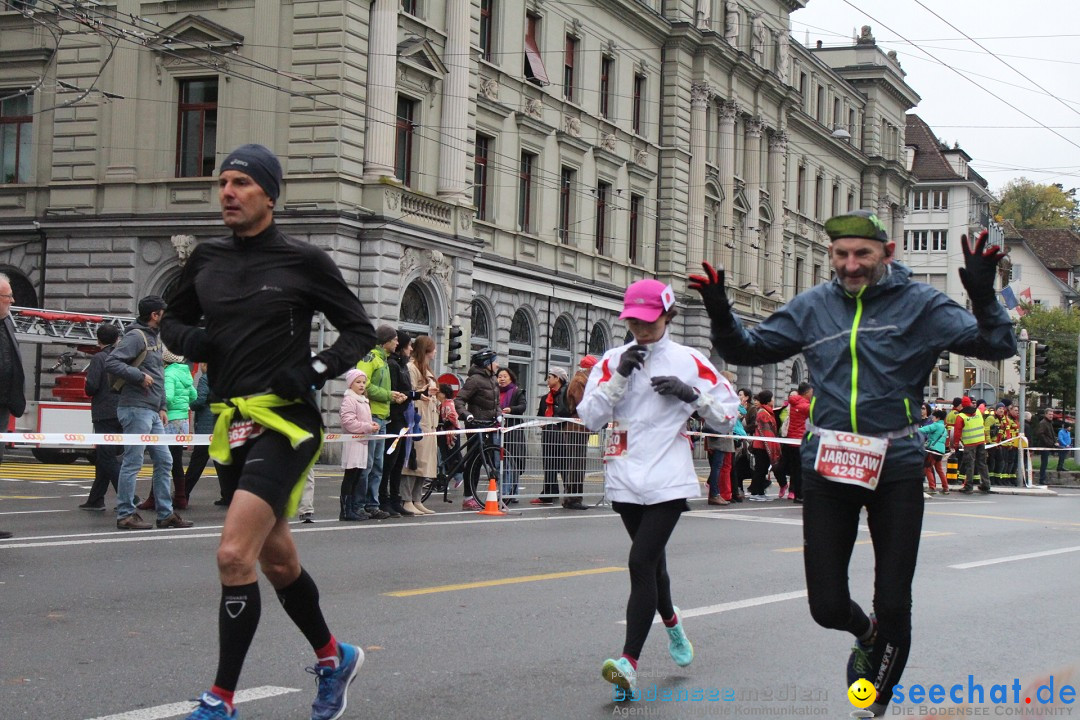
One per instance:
(861, 693)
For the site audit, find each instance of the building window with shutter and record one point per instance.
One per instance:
(534, 64)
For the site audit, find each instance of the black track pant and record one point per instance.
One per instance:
(649, 527)
(830, 527)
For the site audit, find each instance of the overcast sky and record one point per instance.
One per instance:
(1039, 38)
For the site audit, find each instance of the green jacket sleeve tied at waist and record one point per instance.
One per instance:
(257, 408)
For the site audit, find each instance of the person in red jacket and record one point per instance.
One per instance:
(798, 412)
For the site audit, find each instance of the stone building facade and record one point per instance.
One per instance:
(507, 167)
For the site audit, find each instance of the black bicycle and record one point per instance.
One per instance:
(483, 466)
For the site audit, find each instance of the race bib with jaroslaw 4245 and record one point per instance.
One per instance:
(850, 458)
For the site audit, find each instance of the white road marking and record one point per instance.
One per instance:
(1011, 558)
(30, 512)
(734, 605)
(751, 518)
(160, 712)
(127, 536)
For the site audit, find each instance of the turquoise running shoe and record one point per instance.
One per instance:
(211, 707)
(334, 683)
(621, 673)
(679, 647)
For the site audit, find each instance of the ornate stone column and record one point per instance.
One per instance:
(753, 250)
(453, 151)
(700, 94)
(728, 110)
(774, 245)
(381, 90)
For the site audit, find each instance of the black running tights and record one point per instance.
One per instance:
(894, 513)
(649, 527)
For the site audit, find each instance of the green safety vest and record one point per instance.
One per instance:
(974, 432)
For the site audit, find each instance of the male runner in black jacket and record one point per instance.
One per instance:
(257, 292)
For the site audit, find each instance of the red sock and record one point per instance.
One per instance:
(672, 622)
(633, 660)
(328, 654)
(224, 695)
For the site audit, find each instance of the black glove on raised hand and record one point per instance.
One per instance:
(980, 266)
(632, 358)
(295, 383)
(671, 385)
(714, 296)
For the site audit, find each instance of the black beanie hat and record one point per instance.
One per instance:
(260, 164)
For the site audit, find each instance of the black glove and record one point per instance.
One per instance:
(632, 358)
(671, 385)
(980, 266)
(295, 383)
(714, 296)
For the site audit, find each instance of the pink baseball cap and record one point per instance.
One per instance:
(646, 300)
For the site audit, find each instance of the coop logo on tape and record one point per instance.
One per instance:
(148, 438)
(852, 439)
(33, 436)
(74, 437)
(184, 438)
(114, 438)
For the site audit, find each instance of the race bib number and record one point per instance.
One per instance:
(616, 444)
(850, 458)
(242, 431)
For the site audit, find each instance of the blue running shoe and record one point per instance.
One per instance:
(211, 707)
(858, 664)
(334, 683)
(621, 673)
(679, 647)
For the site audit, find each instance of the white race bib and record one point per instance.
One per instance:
(850, 458)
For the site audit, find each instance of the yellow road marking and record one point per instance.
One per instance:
(502, 581)
(925, 534)
(25, 497)
(1012, 519)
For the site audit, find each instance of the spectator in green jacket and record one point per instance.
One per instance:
(379, 396)
(180, 392)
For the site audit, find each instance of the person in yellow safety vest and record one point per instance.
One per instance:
(992, 426)
(970, 433)
(950, 418)
(1010, 431)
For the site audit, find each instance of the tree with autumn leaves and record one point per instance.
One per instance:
(1031, 205)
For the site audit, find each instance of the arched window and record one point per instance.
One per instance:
(414, 315)
(521, 352)
(598, 340)
(562, 344)
(480, 337)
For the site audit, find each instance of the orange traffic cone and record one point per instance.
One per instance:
(491, 504)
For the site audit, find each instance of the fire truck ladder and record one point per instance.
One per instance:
(57, 326)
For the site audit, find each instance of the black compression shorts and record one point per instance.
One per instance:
(268, 467)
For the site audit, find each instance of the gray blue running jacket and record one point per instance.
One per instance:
(869, 354)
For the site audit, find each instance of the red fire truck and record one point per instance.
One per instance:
(69, 410)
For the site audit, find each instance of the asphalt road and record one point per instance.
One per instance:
(517, 613)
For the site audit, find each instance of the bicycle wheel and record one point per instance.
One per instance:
(485, 468)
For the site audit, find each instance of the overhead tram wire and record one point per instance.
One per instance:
(950, 67)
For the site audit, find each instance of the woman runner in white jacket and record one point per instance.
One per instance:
(647, 390)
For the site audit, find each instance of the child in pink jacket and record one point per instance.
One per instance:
(355, 420)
